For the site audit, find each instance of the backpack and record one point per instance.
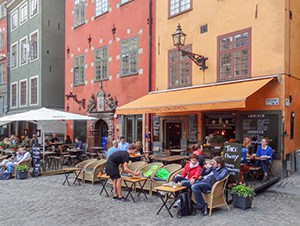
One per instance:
(184, 204)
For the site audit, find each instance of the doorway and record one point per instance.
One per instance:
(173, 135)
(101, 133)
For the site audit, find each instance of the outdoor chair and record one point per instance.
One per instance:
(216, 196)
(82, 165)
(171, 168)
(134, 166)
(144, 169)
(91, 170)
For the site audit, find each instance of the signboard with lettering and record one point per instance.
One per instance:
(193, 129)
(232, 157)
(155, 127)
(262, 124)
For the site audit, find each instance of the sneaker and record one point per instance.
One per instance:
(122, 199)
(115, 198)
(204, 210)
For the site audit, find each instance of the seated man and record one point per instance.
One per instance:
(210, 173)
(54, 139)
(264, 156)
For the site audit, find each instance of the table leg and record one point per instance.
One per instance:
(142, 189)
(76, 176)
(164, 203)
(129, 190)
(103, 186)
(66, 179)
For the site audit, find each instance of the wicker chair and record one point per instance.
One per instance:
(82, 165)
(144, 169)
(174, 174)
(91, 170)
(172, 169)
(216, 197)
(134, 166)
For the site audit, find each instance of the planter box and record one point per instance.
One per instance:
(242, 202)
(21, 174)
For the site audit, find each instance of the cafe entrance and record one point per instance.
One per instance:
(173, 135)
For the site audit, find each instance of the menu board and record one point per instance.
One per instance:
(155, 127)
(193, 128)
(258, 125)
(232, 157)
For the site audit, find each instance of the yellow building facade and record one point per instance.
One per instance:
(250, 86)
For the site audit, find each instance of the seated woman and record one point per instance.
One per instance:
(190, 173)
(244, 161)
(197, 150)
(264, 156)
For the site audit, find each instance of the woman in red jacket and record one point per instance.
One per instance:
(190, 173)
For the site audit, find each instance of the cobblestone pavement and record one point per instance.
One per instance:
(45, 201)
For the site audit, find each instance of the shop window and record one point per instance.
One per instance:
(234, 54)
(80, 130)
(133, 128)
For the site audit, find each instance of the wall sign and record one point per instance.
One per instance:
(272, 101)
(193, 129)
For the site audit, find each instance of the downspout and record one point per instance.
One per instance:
(150, 20)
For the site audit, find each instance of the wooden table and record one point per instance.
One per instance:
(171, 159)
(97, 149)
(68, 171)
(170, 191)
(9, 152)
(133, 181)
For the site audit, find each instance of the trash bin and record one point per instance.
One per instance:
(298, 161)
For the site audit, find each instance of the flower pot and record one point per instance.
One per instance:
(21, 174)
(242, 202)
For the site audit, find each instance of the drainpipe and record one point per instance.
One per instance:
(150, 20)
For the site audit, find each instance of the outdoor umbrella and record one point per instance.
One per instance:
(43, 116)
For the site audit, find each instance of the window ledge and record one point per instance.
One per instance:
(79, 25)
(178, 14)
(100, 15)
(121, 76)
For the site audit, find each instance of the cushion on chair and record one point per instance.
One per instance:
(158, 179)
(162, 174)
(149, 172)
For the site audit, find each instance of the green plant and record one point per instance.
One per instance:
(13, 146)
(217, 139)
(243, 191)
(22, 168)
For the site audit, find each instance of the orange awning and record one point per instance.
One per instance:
(216, 97)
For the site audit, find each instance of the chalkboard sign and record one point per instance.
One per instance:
(193, 129)
(232, 157)
(155, 127)
(262, 124)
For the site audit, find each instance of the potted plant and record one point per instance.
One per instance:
(22, 172)
(13, 147)
(217, 140)
(242, 196)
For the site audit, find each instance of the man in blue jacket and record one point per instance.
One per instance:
(211, 173)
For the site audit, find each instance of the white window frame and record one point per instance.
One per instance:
(2, 37)
(2, 73)
(17, 53)
(21, 15)
(37, 90)
(11, 85)
(20, 92)
(37, 46)
(11, 20)
(26, 50)
(79, 21)
(100, 12)
(30, 8)
(2, 96)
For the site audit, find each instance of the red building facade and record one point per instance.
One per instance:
(107, 65)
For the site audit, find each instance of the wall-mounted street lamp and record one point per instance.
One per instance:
(179, 41)
(89, 40)
(74, 97)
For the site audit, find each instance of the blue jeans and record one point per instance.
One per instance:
(263, 164)
(185, 182)
(198, 188)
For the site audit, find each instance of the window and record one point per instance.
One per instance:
(129, 56)
(234, 55)
(180, 68)
(13, 94)
(2, 11)
(23, 14)
(79, 70)
(34, 90)
(179, 6)
(33, 7)
(33, 46)
(23, 92)
(133, 128)
(79, 12)
(14, 20)
(101, 64)
(124, 1)
(2, 73)
(2, 105)
(14, 55)
(23, 51)
(101, 7)
(2, 38)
